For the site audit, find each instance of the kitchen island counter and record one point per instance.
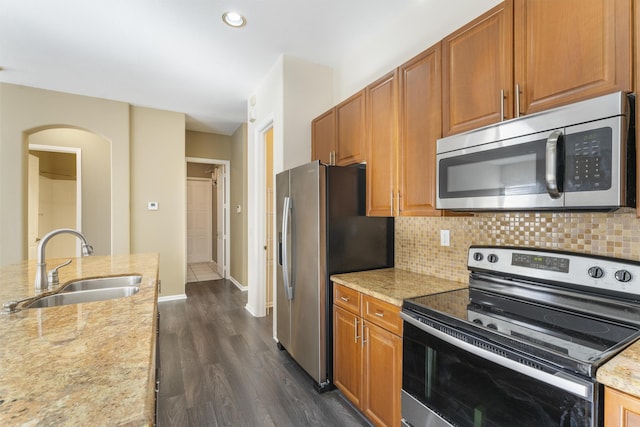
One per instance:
(79, 364)
(393, 285)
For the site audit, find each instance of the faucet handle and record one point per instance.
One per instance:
(53, 274)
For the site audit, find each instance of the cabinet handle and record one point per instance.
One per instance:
(517, 100)
(502, 105)
(364, 341)
(399, 207)
(355, 330)
(379, 314)
(332, 158)
(345, 299)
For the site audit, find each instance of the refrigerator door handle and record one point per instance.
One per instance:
(286, 217)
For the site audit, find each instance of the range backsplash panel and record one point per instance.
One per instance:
(417, 239)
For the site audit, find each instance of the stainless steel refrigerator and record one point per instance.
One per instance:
(322, 230)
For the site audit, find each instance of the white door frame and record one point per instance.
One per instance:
(227, 203)
(78, 152)
(256, 268)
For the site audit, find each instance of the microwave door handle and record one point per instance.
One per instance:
(551, 164)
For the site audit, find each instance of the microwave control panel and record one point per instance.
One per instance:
(588, 160)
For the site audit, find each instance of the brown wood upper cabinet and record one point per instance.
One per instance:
(403, 124)
(525, 56)
(323, 137)
(338, 135)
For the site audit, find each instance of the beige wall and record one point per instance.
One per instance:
(238, 221)
(208, 145)
(96, 181)
(154, 171)
(24, 110)
(158, 172)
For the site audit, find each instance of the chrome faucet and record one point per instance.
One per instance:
(42, 282)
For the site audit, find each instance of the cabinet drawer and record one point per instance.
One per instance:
(382, 313)
(346, 298)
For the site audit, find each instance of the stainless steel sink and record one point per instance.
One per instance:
(78, 297)
(102, 283)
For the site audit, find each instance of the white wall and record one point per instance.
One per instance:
(420, 26)
(58, 210)
(291, 95)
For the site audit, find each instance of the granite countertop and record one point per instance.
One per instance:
(393, 285)
(623, 371)
(79, 364)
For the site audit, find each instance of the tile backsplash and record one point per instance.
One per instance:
(417, 239)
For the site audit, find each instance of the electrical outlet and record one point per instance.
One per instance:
(444, 238)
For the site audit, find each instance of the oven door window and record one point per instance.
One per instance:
(514, 170)
(470, 391)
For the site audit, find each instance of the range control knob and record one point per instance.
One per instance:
(596, 272)
(492, 258)
(477, 321)
(623, 276)
(492, 326)
(477, 256)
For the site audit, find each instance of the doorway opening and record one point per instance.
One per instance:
(54, 198)
(208, 193)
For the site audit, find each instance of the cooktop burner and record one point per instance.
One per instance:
(567, 309)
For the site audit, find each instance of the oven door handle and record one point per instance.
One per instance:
(561, 380)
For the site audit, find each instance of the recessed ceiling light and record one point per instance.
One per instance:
(234, 19)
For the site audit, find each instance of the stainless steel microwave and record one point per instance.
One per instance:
(579, 156)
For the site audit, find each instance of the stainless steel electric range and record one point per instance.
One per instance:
(520, 346)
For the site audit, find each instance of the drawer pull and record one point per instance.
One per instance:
(345, 299)
(355, 329)
(379, 314)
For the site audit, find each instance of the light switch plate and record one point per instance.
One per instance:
(444, 238)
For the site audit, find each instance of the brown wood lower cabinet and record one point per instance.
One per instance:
(620, 409)
(367, 354)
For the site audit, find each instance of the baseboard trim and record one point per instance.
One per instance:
(250, 310)
(172, 297)
(238, 285)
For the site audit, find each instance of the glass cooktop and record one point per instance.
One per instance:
(571, 339)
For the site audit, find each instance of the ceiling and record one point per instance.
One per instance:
(177, 55)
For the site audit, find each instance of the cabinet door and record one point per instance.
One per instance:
(477, 67)
(382, 138)
(569, 50)
(323, 137)
(420, 127)
(347, 354)
(382, 376)
(620, 409)
(350, 117)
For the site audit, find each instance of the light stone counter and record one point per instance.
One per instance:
(623, 371)
(393, 285)
(79, 364)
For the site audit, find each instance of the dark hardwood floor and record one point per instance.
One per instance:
(221, 367)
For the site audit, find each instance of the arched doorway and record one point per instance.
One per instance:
(94, 210)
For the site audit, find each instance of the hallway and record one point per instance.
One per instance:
(221, 367)
(202, 271)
